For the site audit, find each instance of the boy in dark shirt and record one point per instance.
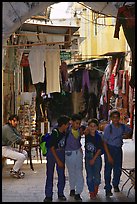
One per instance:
(93, 160)
(56, 155)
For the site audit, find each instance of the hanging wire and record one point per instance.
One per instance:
(100, 12)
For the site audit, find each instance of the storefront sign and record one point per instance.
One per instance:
(65, 55)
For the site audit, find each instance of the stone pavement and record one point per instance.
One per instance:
(31, 188)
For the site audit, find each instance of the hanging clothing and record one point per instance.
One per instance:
(85, 80)
(126, 18)
(111, 82)
(108, 70)
(36, 59)
(116, 88)
(115, 67)
(24, 61)
(78, 80)
(124, 83)
(64, 72)
(94, 87)
(52, 69)
(120, 78)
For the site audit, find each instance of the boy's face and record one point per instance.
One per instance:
(65, 126)
(76, 124)
(115, 119)
(92, 127)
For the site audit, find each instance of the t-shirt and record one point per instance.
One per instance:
(57, 139)
(114, 135)
(93, 143)
(72, 143)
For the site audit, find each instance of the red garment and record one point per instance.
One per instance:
(24, 61)
(111, 82)
(120, 78)
(115, 66)
(126, 18)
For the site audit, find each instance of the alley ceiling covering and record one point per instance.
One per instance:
(16, 13)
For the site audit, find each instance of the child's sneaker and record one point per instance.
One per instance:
(92, 195)
(16, 174)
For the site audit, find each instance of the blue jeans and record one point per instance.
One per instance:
(116, 153)
(93, 172)
(51, 162)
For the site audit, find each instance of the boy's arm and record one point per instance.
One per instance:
(92, 161)
(110, 159)
(59, 162)
(127, 132)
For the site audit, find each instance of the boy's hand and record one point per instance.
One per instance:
(92, 161)
(86, 131)
(110, 159)
(61, 164)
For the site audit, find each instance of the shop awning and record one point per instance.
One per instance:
(87, 61)
(50, 29)
(113, 53)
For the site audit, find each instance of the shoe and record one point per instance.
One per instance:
(62, 198)
(77, 197)
(92, 195)
(116, 189)
(96, 190)
(109, 193)
(72, 193)
(47, 199)
(16, 174)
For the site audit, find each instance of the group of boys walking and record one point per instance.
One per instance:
(65, 148)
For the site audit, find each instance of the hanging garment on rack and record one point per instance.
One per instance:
(94, 87)
(126, 18)
(120, 78)
(115, 67)
(111, 82)
(85, 80)
(124, 83)
(108, 70)
(64, 72)
(24, 61)
(52, 69)
(116, 88)
(36, 60)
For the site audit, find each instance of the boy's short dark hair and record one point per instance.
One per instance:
(114, 112)
(83, 127)
(93, 120)
(63, 119)
(75, 117)
(11, 117)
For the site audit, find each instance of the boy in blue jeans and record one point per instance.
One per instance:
(93, 159)
(114, 134)
(56, 156)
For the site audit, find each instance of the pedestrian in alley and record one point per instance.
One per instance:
(114, 133)
(74, 157)
(93, 159)
(10, 137)
(56, 156)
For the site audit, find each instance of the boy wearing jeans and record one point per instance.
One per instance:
(74, 158)
(114, 134)
(56, 156)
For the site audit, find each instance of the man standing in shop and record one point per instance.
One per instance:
(11, 136)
